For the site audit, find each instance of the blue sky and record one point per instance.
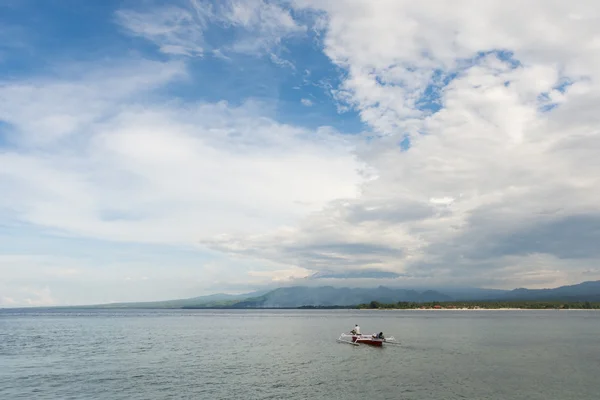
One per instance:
(41, 38)
(153, 150)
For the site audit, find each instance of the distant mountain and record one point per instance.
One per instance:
(585, 291)
(298, 296)
(213, 300)
(327, 296)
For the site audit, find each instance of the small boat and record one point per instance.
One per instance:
(371, 340)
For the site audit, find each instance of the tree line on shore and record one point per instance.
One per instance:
(538, 305)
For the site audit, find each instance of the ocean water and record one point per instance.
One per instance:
(293, 354)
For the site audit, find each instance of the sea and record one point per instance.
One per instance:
(293, 354)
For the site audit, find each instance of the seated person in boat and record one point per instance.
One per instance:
(356, 330)
(378, 336)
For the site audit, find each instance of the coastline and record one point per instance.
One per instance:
(479, 309)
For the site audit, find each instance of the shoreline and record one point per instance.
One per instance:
(479, 309)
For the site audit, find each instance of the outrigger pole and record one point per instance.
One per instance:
(340, 340)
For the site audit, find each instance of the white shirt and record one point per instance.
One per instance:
(357, 329)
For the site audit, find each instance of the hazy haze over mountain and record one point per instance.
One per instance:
(299, 296)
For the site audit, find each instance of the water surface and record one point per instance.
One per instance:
(293, 354)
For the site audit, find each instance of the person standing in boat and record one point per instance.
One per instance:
(356, 330)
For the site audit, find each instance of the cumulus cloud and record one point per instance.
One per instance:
(485, 158)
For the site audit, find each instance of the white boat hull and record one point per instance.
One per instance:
(371, 340)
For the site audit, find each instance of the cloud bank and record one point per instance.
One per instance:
(485, 144)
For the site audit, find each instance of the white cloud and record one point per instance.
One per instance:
(44, 111)
(258, 26)
(106, 273)
(175, 30)
(27, 296)
(280, 276)
(490, 177)
(267, 23)
(151, 172)
(6, 301)
(40, 297)
(132, 166)
(306, 102)
(281, 62)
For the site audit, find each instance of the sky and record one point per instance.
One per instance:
(159, 150)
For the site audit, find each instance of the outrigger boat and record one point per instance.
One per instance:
(372, 340)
